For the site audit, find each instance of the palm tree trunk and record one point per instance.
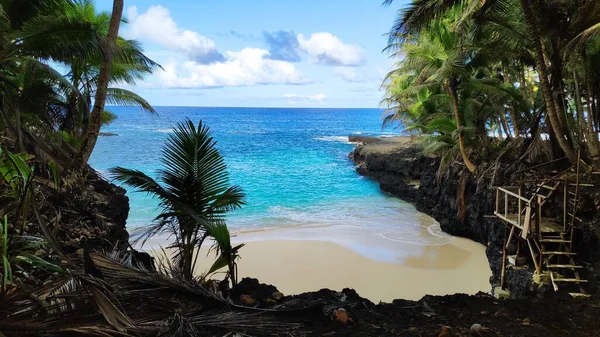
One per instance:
(461, 139)
(499, 129)
(505, 125)
(95, 122)
(513, 107)
(587, 132)
(593, 144)
(551, 110)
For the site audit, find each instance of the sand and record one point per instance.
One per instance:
(383, 271)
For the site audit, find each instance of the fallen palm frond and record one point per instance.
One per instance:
(130, 301)
(72, 304)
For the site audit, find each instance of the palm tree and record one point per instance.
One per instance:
(129, 65)
(545, 31)
(95, 122)
(435, 61)
(193, 190)
(32, 33)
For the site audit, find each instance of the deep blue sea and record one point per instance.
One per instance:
(292, 164)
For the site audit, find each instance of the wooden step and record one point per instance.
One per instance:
(564, 266)
(561, 240)
(542, 196)
(580, 295)
(582, 185)
(576, 218)
(572, 280)
(558, 253)
(548, 187)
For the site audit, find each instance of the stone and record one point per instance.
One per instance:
(526, 321)
(277, 296)
(476, 329)
(247, 300)
(341, 315)
(501, 294)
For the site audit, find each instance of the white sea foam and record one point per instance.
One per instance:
(339, 139)
(165, 130)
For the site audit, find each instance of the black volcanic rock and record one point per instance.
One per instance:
(403, 171)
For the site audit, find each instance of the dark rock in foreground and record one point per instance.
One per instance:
(557, 316)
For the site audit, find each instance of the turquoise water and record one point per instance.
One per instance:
(292, 163)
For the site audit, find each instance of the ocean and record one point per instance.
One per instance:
(292, 164)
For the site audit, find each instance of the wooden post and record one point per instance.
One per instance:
(538, 216)
(533, 257)
(497, 200)
(519, 214)
(505, 205)
(504, 260)
(566, 191)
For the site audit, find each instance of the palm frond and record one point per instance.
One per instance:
(116, 96)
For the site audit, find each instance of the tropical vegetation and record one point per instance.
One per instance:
(194, 193)
(57, 57)
(471, 73)
(61, 63)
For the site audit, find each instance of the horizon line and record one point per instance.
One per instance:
(252, 107)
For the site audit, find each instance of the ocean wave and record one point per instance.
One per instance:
(339, 139)
(165, 130)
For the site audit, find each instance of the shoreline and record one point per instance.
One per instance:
(297, 262)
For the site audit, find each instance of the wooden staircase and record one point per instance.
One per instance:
(550, 243)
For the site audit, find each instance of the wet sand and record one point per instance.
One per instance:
(300, 260)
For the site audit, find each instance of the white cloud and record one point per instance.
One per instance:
(347, 73)
(294, 98)
(195, 62)
(328, 49)
(157, 25)
(250, 66)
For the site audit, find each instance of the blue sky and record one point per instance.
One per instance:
(268, 53)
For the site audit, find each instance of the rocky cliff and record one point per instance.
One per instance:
(86, 206)
(461, 204)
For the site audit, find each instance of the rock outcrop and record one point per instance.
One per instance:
(403, 171)
(86, 206)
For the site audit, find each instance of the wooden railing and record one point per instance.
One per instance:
(516, 209)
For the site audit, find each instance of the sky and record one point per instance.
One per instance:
(261, 53)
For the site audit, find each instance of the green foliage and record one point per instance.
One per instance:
(17, 177)
(69, 138)
(38, 100)
(193, 190)
(226, 253)
(108, 117)
(54, 173)
(4, 243)
(496, 56)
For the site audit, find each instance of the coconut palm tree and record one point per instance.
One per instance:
(32, 34)
(552, 30)
(129, 65)
(193, 190)
(93, 128)
(442, 74)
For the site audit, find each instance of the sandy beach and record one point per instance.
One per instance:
(299, 260)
